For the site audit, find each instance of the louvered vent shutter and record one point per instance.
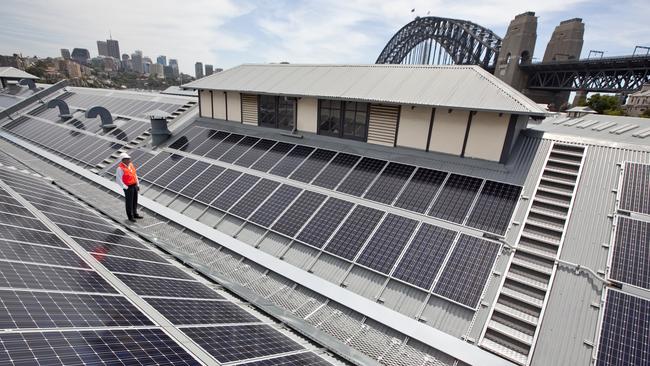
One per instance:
(382, 124)
(249, 109)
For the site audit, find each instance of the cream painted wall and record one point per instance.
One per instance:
(448, 131)
(413, 127)
(234, 106)
(206, 103)
(307, 118)
(219, 104)
(487, 135)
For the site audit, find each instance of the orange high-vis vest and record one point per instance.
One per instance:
(129, 177)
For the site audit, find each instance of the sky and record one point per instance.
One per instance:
(226, 33)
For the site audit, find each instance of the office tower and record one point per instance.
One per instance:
(113, 48)
(80, 55)
(102, 48)
(162, 60)
(65, 53)
(198, 70)
(209, 70)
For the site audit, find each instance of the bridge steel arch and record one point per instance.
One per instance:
(465, 42)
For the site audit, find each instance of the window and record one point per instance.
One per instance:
(276, 112)
(343, 119)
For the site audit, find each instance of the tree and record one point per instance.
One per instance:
(605, 104)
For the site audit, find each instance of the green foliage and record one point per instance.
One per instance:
(605, 104)
(646, 113)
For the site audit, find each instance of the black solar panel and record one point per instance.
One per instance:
(421, 190)
(100, 249)
(235, 192)
(93, 347)
(225, 145)
(387, 243)
(151, 164)
(174, 172)
(326, 220)
(21, 221)
(254, 198)
(336, 170)
(39, 254)
(363, 174)
(273, 207)
(30, 236)
(313, 165)
(161, 169)
(353, 233)
(184, 179)
(631, 257)
(251, 156)
(300, 359)
(467, 270)
(181, 142)
(625, 332)
(425, 255)
(27, 309)
(456, 198)
(299, 212)
(390, 183)
(152, 286)
(123, 265)
(80, 223)
(214, 189)
(290, 162)
(40, 277)
(240, 148)
(6, 207)
(234, 343)
(494, 207)
(275, 154)
(635, 193)
(51, 211)
(202, 181)
(214, 138)
(100, 236)
(184, 312)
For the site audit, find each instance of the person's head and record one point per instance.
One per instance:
(126, 159)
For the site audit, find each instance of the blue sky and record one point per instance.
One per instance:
(226, 33)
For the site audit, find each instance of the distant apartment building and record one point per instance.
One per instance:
(198, 70)
(209, 70)
(162, 60)
(157, 70)
(173, 63)
(639, 102)
(102, 48)
(136, 59)
(113, 48)
(80, 55)
(65, 53)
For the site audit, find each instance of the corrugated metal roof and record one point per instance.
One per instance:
(464, 87)
(12, 72)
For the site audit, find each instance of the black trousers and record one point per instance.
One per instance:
(131, 201)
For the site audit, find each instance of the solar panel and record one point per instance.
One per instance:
(53, 212)
(202, 181)
(273, 207)
(194, 143)
(313, 165)
(387, 243)
(12, 209)
(101, 248)
(162, 168)
(173, 172)
(182, 141)
(262, 190)
(241, 342)
(27, 309)
(235, 192)
(299, 212)
(30, 236)
(494, 207)
(353, 233)
(425, 255)
(184, 312)
(214, 189)
(251, 156)
(467, 270)
(213, 138)
(26, 222)
(421, 190)
(123, 265)
(240, 148)
(184, 179)
(20, 275)
(100, 236)
(631, 256)
(275, 154)
(225, 145)
(326, 220)
(635, 193)
(93, 347)
(625, 331)
(39, 254)
(287, 165)
(361, 177)
(151, 164)
(456, 198)
(336, 170)
(300, 359)
(152, 286)
(79, 223)
(390, 183)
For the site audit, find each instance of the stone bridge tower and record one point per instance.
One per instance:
(517, 48)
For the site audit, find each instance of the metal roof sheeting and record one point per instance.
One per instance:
(14, 73)
(463, 87)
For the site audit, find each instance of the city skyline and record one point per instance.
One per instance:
(226, 33)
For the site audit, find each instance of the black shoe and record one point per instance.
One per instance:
(139, 217)
(131, 219)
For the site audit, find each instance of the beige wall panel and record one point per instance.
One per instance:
(249, 109)
(234, 106)
(487, 135)
(206, 103)
(307, 118)
(448, 131)
(414, 127)
(219, 104)
(382, 124)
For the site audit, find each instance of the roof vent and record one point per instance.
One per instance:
(64, 110)
(29, 83)
(104, 114)
(159, 131)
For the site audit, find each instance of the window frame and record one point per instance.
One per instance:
(277, 99)
(340, 121)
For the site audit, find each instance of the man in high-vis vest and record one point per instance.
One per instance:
(126, 177)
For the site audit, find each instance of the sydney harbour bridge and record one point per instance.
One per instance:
(434, 41)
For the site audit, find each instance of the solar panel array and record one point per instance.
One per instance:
(625, 331)
(631, 255)
(47, 286)
(635, 190)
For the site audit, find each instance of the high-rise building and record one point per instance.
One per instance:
(168, 71)
(162, 60)
(65, 53)
(102, 48)
(198, 70)
(173, 63)
(81, 55)
(113, 48)
(157, 70)
(209, 69)
(136, 58)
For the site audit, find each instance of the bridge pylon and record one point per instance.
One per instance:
(516, 49)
